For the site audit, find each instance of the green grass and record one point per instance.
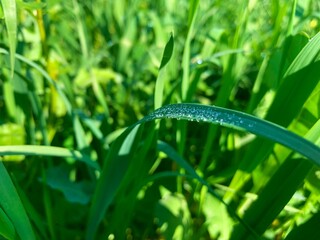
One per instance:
(84, 85)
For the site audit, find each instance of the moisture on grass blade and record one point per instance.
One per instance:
(235, 119)
(192, 112)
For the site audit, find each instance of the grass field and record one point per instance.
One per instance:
(143, 119)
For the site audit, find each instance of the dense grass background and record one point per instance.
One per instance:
(76, 74)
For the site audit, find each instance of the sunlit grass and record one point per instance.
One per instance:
(82, 157)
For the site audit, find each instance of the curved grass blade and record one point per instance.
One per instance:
(10, 17)
(123, 149)
(239, 120)
(12, 206)
(34, 150)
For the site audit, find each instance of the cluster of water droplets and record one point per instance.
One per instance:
(200, 113)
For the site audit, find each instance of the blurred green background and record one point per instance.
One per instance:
(74, 74)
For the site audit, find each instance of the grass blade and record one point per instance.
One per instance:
(194, 5)
(12, 206)
(114, 170)
(278, 191)
(34, 150)
(167, 54)
(6, 228)
(46, 76)
(235, 119)
(308, 230)
(291, 94)
(10, 14)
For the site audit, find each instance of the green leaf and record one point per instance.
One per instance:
(30, 5)
(194, 5)
(308, 230)
(173, 217)
(239, 120)
(277, 192)
(290, 97)
(113, 172)
(10, 17)
(168, 50)
(223, 207)
(34, 150)
(46, 76)
(167, 54)
(75, 192)
(6, 228)
(12, 206)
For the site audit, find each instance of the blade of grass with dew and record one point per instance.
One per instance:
(291, 94)
(123, 149)
(12, 206)
(160, 82)
(239, 120)
(113, 172)
(10, 17)
(278, 191)
(34, 150)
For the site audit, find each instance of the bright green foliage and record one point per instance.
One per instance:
(84, 84)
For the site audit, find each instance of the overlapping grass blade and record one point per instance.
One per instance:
(123, 149)
(6, 228)
(308, 230)
(278, 191)
(35, 150)
(289, 99)
(12, 206)
(113, 172)
(125, 202)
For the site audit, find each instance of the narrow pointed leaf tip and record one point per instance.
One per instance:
(238, 120)
(167, 52)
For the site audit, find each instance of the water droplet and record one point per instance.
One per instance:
(199, 61)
